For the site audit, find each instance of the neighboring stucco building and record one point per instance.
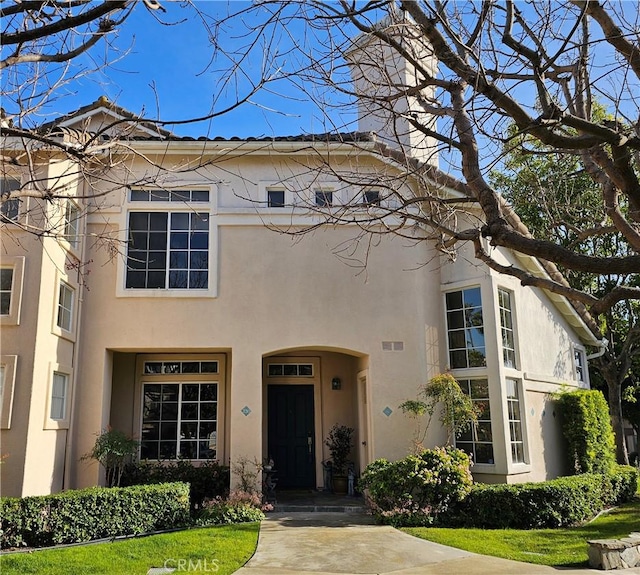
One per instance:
(206, 334)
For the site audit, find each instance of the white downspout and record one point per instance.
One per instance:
(603, 347)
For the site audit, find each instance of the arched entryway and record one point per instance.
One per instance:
(305, 392)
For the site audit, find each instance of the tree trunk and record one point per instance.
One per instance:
(615, 411)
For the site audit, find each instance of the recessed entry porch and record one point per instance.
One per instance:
(305, 392)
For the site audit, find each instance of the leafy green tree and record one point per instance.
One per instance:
(558, 201)
(113, 449)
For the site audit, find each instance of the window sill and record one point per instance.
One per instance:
(166, 293)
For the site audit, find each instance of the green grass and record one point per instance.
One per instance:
(224, 548)
(555, 547)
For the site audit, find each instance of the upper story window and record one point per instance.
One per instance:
(324, 198)
(465, 329)
(506, 328)
(6, 286)
(59, 386)
(371, 198)
(65, 307)
(9, 208)
(168, 250)
(169, 195)
(71, 220)
(580, 365)
(275, 198)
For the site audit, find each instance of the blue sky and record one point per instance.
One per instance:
(167, 73)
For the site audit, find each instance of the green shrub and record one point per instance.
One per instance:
(208, 480)
(557, 503)
(239, 507)
(417, 489)
(586, 426)
(82, 515)
(620, 485)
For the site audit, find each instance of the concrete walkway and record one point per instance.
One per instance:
(349, 543)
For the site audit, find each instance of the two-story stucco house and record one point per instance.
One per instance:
(204, 331)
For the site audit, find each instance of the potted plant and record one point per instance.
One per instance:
(339, 442)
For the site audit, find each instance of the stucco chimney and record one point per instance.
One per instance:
(381, 78)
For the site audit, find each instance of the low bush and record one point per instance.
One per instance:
(620, 485)
(557, 503)
(417, 489)
(238, 507)
(82, 515)
(208, 480)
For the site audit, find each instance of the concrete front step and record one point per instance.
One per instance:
(284, 508)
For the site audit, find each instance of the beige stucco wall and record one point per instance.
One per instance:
(274, 295)
(36, 445)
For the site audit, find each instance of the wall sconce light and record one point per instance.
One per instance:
(336, 383)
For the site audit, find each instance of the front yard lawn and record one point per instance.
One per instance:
(221, 549)
(555, 547)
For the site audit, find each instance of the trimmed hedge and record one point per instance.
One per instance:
(208, 480)
(97, 512)
(556, 503)
(586, 425)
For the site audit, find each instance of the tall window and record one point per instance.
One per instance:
(168, 250)
(179, 420)
(580, 363)
(59, 388)
(9, 208)
(506, 328)
(515, 421)
(71, 217)
(477, 441)
(6, 285)
(465, 329)
(275, 198)
(324, 198)
(65, 307)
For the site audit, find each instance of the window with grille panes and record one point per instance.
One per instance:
(179, 420)
(6, 287)
(465, 329)
(515, 421)
(506, 328)
(168, 250)
(477, 441)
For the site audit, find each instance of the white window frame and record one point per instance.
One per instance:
(519, 399)
(8, 205)
(71, 218)
(326, 193)
(8, 363)
(49, 421)
(184, 378)
(448, 329)
(172, 207)
(17, 264)
(503, 328)
(64, 287)
(473, 430)
(579, 351)
(276, 189)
